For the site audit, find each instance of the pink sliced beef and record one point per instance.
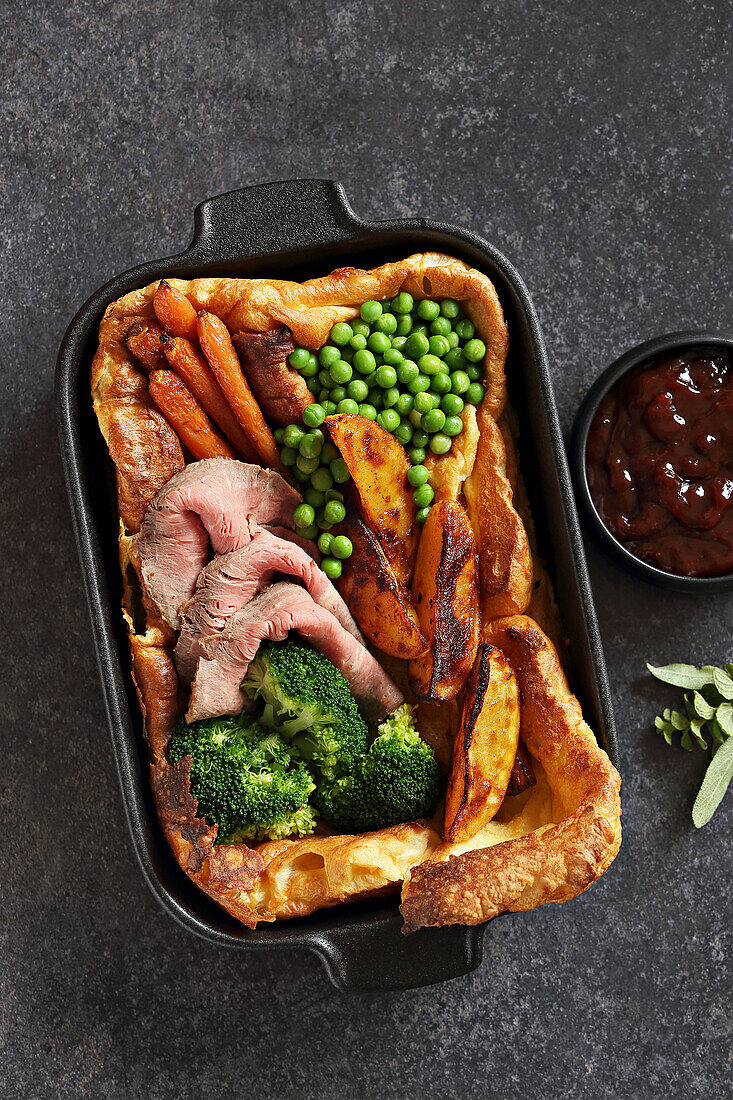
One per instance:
(279, 609)
(209, 504)
(231, 580)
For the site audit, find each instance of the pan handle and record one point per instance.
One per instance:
(271, 217)
(372, 956)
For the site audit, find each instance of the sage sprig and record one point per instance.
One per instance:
(708, 714)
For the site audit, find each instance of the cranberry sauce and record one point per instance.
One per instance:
(659, 460)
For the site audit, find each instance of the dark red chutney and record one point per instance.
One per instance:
(659, 460)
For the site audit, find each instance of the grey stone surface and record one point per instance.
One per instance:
(592, 144)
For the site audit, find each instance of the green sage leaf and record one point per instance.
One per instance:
(724, 718)
(722, 683)
(679, 721)
(701, 707)
(696, 730)
(714, 785)
(683, 676)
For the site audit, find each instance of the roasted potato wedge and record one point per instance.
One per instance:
(380, 604)
(445, 595)
(378, 466)
(484, 747)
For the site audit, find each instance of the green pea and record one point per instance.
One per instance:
(441, 326)
(321, 479)
(440, 443)
(323, 396)
(404, 325)
(388, 419)
(438, 346)
(368, 411)
(475, 393)
(422, 514)
(341, 372)
(306, 463)
(300, 476)
(365, 362)
(335, 512)
(465, 329)
(428, 309)
(329, 407)
(422, 403)
(403, 303)
(455, 359)
(299, 358)
(390, 397)
(433, 420)
(452, 404)
(312, 496)
(310, 532)
(440, 383)
(423, 496)
(421, 329)
(324, 542)
(328, 355)
(304, 515)
(474, 350)
(386, 323)
(430, 364)
(341, 333)
(420, 438)
(379, 342)
(449, 307)
(324, 377)
(404, 404)
(334, 494)
(459, 381)
(347, 355)
(329, 452)
(358, 342)
(406, 371)
(417, 475)
(342, 546)
(417, 344)
(332, 568)
(386, 377)
(310, 370)
(453, 425)
(349, 406)
(393, 357)
(403, 432)
(361, 328)
(376, 397)
(338, 393)
(310, 446)
(314, 386)
(419, 383)
(322, 522)
(357, 390)
(292, 435)
(452, 339)
(313, 415)
(370, 311)
(279, 436)
(415, 417)
(339, 471)
(398, 343)
(288, 456)
(474, 372)
(416, 454)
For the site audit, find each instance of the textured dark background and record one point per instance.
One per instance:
(592, 145)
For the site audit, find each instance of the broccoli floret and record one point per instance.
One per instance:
(396, 780)
(309, 702)
(245, 778)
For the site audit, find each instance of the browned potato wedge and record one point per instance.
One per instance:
(484, 748)
(378, 466)
(380, 604)
(445, 594)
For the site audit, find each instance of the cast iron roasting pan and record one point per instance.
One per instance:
(294, 230)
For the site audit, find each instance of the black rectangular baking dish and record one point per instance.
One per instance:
(295, 230)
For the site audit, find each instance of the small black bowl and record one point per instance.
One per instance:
(673, 341)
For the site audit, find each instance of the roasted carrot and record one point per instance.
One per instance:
(191, 366)
(186, 417)
(217, 346)
(174, 311)
(143, 340)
